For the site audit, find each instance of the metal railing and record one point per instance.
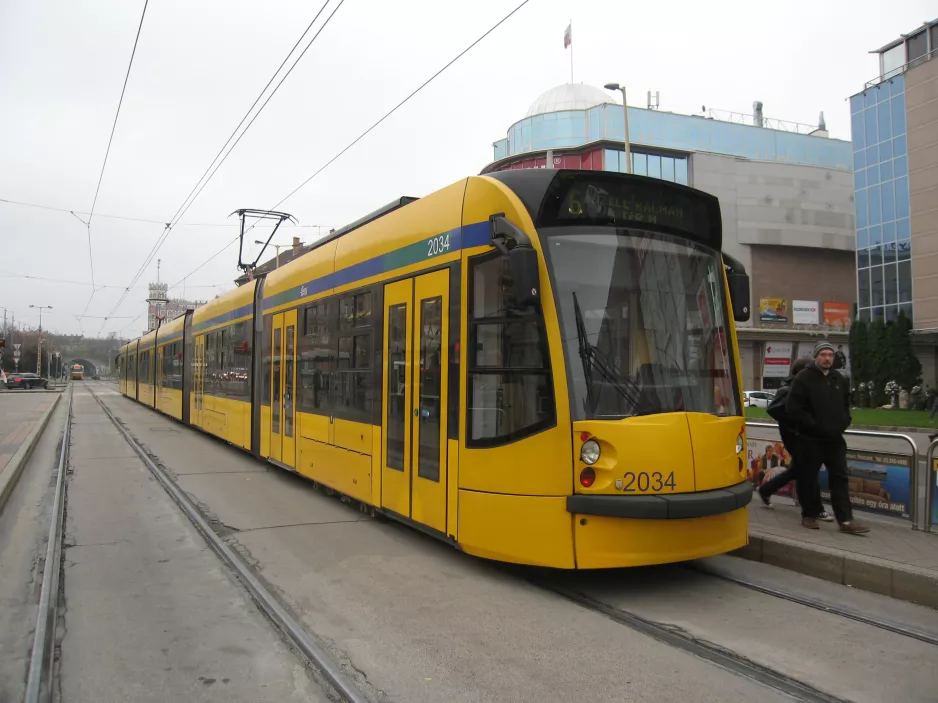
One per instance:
(901, 69)
(913, 468)
(931, 478)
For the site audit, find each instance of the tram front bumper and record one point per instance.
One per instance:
(674, 506)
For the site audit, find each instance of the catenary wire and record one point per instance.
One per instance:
(184, 208)
(400, 104)
(363, 135)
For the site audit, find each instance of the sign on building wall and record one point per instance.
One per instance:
(837, 314)
(777, 359)
(773, 310)
(804, 312)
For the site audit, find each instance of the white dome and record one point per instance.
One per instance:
(570, 97)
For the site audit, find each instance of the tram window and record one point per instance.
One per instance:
(354, 377)
(397, 385)
(315, 357)
(430, 393)
(265, 361)
(353, 390)
(236, 361)
(355, 311)
(510, 387)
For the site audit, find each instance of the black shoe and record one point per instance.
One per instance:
(766, 500)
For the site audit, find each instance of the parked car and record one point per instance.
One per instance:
(26, 381)
(758, 399)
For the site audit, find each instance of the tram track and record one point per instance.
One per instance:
(295, 633)
(817, 604)
(39, 682)
(680, 639)
(693, 640)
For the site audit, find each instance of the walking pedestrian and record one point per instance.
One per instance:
(776, 410)
(818, 406)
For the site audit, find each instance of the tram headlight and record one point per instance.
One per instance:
(589, 452)
(739, 444)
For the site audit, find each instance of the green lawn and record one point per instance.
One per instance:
(871, 416)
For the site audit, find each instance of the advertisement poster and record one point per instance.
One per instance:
(879, 483)
(777, 359)
(837, 314)
(805, 349)
(773, 310)
(766, 459)
(804, 312)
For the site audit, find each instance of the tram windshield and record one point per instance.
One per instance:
(643, 319)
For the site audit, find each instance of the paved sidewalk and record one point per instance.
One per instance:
(891, 558)
(19, 414)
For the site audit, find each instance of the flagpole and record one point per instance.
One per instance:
(571, 52)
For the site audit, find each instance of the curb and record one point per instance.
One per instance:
(887, 578)
(13, 470)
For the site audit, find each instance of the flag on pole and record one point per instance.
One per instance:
(568, 36)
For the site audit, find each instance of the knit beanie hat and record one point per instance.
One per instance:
(821, 346)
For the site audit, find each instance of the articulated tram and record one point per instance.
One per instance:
(538, 366)
(77, 372)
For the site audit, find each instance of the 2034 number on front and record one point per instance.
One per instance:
(642, 481)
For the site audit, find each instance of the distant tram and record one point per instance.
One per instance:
(78, 372)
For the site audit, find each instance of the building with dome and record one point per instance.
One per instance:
(786, 192)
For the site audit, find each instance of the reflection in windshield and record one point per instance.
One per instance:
(643, 323)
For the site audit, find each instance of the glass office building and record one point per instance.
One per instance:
(893, 129)
(881, 179)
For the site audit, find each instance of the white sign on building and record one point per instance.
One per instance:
(777, 359)
(805, 312)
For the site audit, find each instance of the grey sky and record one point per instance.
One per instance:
(199, 66)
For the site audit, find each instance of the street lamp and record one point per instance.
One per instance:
(39, 342)
(275, 246)
(625, 116)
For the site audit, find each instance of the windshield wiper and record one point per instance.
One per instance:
(593, 357)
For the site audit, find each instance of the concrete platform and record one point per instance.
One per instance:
(891, 559)
(22, 420)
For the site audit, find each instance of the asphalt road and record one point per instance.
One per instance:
(423, 622)
(150, 613)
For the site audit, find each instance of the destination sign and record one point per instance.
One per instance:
(630, 202)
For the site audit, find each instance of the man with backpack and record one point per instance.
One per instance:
(769, 488)
(818, 406)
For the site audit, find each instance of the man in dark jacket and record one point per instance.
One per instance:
(769, 488)
(818, 405)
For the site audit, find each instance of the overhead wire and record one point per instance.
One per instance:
(76, 213)
(107, 153)
(400, 104)
(364, 134)
(190, 199)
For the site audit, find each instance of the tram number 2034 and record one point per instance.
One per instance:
(438, 245)
(643, 481)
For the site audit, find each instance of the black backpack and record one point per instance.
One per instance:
(776, 409)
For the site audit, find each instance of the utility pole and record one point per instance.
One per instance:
(39, 342)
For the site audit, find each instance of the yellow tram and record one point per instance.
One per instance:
(77, 372)
(538, 366)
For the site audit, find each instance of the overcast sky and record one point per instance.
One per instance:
(199, 66)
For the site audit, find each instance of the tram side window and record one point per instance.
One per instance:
(145, 367)
(316, 356)
(171, 374)
(510, 389)
(238, 358)
(266, 353)
(353, 393)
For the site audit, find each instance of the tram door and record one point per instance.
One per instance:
(283, 389)
(413, 456)
(198, 381)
